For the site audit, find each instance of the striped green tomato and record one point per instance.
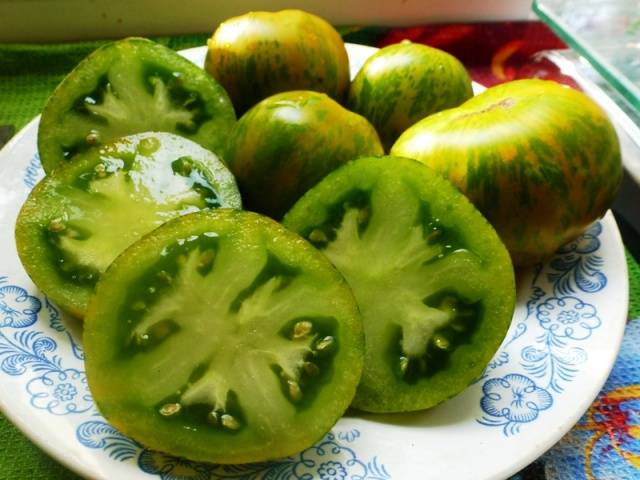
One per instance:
(261, 53)
(288, 142)
(403, 83)
(540, 160)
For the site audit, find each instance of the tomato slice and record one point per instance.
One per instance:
(223, 337)
(433, 281)
(79, 218)
(132, 86)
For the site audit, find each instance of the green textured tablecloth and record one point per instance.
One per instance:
(28, 74)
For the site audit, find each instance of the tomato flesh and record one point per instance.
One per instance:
(433, 281)
(128, 87)
(222, 337)
(79, 218)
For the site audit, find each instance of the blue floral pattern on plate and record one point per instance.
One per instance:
(17, 308)
(25, 350)
(59, 390)
(567, 317)
(64, 391)
(558, 321)
(513, 399)
(41, 361)
(329, 459)
(33, 173)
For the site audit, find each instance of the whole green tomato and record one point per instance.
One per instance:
(405, 82)
(286, 143)
(540, 160)
(259, 54)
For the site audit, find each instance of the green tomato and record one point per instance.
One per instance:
(540, 160)
(403, 83)
(285, 144)
(261, 53)
(83, 215)
(433, 281)
(131, 86)
(223, 337)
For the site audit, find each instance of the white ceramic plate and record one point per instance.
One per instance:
(564, 338)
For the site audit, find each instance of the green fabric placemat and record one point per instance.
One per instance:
(28, 74)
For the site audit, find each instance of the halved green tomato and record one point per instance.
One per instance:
(127, 87)
(79, 218)
(223, 337)
(433, 281)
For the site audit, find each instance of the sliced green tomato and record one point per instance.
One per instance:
(433, 281)
(79, 218)
(223, 337)
(127, 87)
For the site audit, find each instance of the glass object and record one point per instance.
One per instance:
(606, 32)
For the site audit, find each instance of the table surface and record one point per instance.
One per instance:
(493, 53)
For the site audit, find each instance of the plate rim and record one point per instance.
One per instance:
(76, 464)
(586, 400)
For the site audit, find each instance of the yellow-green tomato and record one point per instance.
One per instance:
(403, 83)
(288, 142)
(540, 160)
(262, 53)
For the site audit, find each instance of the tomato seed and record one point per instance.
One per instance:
(294, 390)
(213, 417)
(363, 215)
(101, 170)
(318, 235)
(165, 277)
(93, 138)
(404, 364)
(441, 342)
(228, 421)
(325, 344)
(170, 409)
(57, 225)
(311, 369)
(302, 329)
(206, 259)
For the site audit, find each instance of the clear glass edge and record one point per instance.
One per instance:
(616, 78)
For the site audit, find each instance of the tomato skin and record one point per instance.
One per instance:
(262, 53)
(541, 161)
(288, 142)
(121, 379)
(403, 83)
(413, 249)
(132, 86)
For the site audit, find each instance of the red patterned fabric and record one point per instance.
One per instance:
(493, 52)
